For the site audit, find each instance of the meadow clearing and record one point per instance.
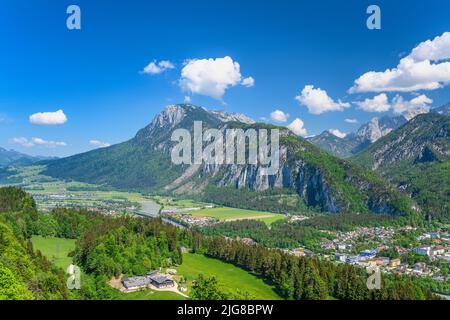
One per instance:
(231, 278)
(233, 214)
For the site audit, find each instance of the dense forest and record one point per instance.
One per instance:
(24, 272)
(281, 234)
(309, 278)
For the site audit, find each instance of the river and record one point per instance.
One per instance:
(150, 209)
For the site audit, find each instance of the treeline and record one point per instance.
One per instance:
(348, 221)
(309, 278)
(277, 201)
(130, 246)
(280, 235)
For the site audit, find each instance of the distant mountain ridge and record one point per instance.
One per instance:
(14, 158)
(416, 158)
(369, 132)
(306, 173)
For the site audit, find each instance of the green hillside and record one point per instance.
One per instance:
(416, 159)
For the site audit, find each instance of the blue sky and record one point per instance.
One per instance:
(95, 74)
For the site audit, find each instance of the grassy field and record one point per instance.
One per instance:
(170, 203)
(229, 214)
(55, 249)
(230, 277)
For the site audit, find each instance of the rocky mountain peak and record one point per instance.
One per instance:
(412, 113)
(231, 116)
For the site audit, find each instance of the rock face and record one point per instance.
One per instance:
(144, 164)
(378, 128)
(422, 136)
(230, 117)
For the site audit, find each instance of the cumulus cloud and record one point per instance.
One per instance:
(28, 143)
(297, 127)
(212, 77)
(317, 101)
(436, 50)
(279, 116)
(400, 105)
(187, 99)
(424, 68)
(99, 144)
(352, 121)
(338, 133)
(248, 82)
(379, 103)
(155, 67)
(48, 118)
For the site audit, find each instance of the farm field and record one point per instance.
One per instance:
(169, 203)
(230, 214)
(230, 277)
(55, 249)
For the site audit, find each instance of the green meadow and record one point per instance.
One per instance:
(230, 277)
(229, 214)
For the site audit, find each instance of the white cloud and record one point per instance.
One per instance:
(279, 116)
(400, 105)
(187, 99)
(379, 103)
(338, 133)
(422, 69)
(158, 67)
(48, 118)
(352, 121)
(99, 144)
(297, 127)
(248, 82)
(436, 50)
(24, 142)
(317, 101)
(211, 77)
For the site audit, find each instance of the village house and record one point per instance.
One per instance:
(424, 250)
(154, 278)
(394, 262)
(438, 250)
(378, 261)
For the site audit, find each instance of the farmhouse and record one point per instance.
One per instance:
(135, 283)
(155, 279)
(160, 281)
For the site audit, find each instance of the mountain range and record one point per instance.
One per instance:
(14, 158)
(416, 158)
(308, 176)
